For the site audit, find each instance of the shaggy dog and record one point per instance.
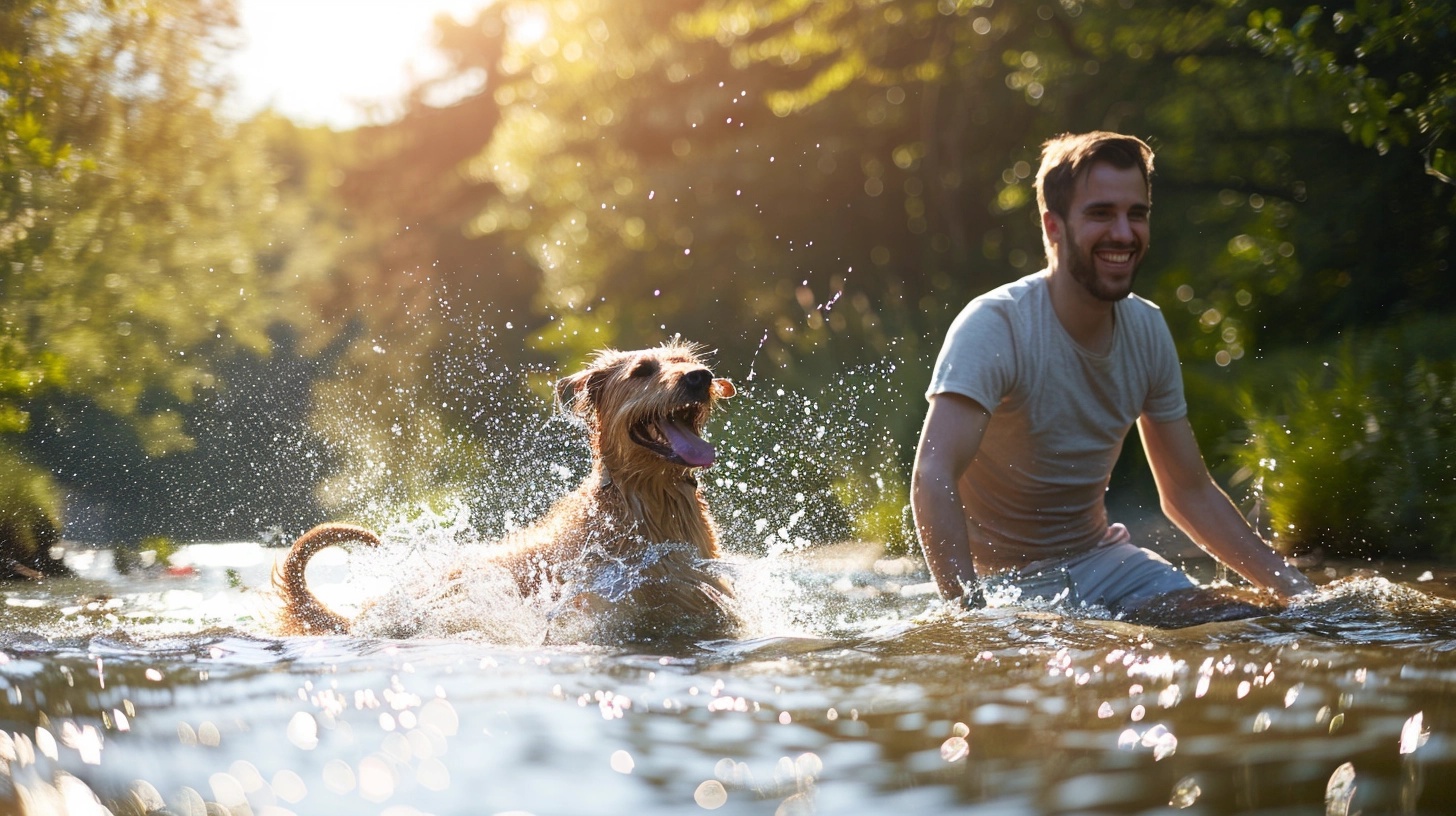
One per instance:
(634, 539)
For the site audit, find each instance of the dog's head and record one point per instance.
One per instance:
(645, 408)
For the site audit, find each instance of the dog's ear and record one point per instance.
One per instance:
(577, 394)
(723, 388)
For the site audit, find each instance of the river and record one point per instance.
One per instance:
(851, 691)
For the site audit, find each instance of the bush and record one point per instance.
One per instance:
(1355, 457)
(30, 518)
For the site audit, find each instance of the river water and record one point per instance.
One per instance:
(168, 691)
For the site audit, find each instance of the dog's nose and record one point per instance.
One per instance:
(698, 378)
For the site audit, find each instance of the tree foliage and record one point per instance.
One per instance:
(131, 218)
(808, 186)
(812, 188)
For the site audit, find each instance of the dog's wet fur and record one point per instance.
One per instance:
(640, 507)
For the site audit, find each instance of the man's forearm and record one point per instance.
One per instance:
(940, 524)
(1216, 525)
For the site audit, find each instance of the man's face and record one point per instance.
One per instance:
(1106, 231)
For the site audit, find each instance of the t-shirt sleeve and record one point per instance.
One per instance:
(978, 359)
(1165, 401)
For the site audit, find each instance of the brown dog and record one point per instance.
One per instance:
(640, 507)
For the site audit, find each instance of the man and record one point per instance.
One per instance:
(1034, 392)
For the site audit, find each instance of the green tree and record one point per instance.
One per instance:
(808, 186)
(147, 245)
(129, 212)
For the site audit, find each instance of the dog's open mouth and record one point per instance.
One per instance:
(674, 438)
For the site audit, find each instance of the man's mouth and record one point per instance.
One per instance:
(1116, 254)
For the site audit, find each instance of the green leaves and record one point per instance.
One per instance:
(1390, 61)
(131, 216)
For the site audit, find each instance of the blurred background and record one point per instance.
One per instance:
(265, 263)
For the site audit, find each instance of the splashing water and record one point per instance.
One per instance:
(849, 689)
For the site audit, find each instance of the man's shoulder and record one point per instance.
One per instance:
(1142, 304)
(1142, 313)
(1008, 297)
(1017, 291)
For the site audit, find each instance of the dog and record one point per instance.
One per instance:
(644, 414)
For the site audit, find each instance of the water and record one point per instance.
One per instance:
(851, 692)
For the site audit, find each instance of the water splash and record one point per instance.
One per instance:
(1340, 791)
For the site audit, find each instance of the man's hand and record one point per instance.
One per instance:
(973, 597)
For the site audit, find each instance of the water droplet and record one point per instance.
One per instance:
(303, 731)
(711, 795)
(227, 790)
(1340, 791)
(1170, 696)
(1411, 734)
(1166, 746)
(954, 749)
(376, 778)
(1293, 694)
(209, 735)
(338, 776)
(186, 735)
(45, 741)
(1185, 793)
(289, 786)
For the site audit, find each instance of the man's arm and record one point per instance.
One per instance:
(949, 440)
(1192, 500)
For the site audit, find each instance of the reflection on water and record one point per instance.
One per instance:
(167, 692)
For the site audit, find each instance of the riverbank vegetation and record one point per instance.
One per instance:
(212, 327)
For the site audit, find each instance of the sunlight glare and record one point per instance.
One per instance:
(323, 62)
(529, 25)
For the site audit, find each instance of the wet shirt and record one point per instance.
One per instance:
(1059, 415)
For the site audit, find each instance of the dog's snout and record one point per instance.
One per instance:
(698, 378)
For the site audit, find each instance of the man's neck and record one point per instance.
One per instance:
(1089, 320)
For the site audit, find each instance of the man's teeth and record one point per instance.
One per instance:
(1116, 257)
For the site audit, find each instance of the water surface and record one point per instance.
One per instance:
(850, 692)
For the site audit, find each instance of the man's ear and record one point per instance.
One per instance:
(1051, 224)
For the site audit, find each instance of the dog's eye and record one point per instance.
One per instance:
(643, 368)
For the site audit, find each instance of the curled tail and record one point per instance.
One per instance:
(303, 611)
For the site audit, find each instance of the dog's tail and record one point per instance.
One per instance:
(303, 611)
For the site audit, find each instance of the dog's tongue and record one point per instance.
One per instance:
(687, 445)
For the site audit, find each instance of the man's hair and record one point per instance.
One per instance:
(1065, 158)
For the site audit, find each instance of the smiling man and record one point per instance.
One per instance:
(1034, 392)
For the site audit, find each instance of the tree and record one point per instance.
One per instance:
(146, 245)
(129, 212)
(811, 186)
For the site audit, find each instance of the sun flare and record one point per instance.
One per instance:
(336, 63)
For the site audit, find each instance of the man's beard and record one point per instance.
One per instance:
(1084, 271)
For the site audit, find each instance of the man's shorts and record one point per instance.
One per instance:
(1116, 575)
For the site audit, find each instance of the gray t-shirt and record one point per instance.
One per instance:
(1059, 415)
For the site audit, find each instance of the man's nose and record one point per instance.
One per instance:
(1122, 228)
